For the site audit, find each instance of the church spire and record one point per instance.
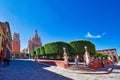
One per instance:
(36, 31)
(35, 41)
(36, 34)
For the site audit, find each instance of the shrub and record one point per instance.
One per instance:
(98, 54)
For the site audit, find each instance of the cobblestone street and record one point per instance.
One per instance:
(29, 70)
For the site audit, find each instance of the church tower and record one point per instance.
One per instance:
(34, 42)
(16, 45)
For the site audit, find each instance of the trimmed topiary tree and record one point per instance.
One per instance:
(79, 45)
(42, 51)
(55, 49)
(37, 51)
(32, 53)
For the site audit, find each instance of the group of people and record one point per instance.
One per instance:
(86, 61)
(6, 61)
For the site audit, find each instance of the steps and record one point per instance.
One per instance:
(80, 67)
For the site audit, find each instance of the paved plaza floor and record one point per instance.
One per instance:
(29, 70)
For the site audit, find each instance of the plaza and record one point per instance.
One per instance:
(23, 69)
(59, 40)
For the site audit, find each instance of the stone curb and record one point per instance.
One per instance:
(81, 71)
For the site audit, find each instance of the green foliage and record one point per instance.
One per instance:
(42, 51)
(98, 54)
(33, 53)
(119, 57)
(105, 56)
(79, 45)
(37, 51)
(56, 47)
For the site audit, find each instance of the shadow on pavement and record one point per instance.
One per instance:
(116, 67)
(28, 70)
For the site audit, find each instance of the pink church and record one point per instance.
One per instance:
(34, 42)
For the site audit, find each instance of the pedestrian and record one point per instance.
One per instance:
(8, 62)
(8, 57)
(102, 62)
(76, 61)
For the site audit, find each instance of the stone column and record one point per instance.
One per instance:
(65, 56)
(87, 56)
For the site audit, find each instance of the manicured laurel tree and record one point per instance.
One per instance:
(56, 49)
(37, 51)
(79, 45)
(119, 58)
(33, 53)
(42, 51)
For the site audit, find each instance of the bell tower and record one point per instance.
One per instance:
(16, 37)
(16, 45)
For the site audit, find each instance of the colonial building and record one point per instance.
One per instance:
(112, 53)
(34, 42)
(5, 41)
(16, 45)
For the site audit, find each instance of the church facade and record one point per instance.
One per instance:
(34, 42)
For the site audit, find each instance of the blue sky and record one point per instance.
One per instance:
(64, 20)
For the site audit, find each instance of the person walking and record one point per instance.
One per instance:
(8, 57)
(76, 61)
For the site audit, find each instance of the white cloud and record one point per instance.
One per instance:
(88, 35)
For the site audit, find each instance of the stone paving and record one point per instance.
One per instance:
(79, 75)
(29, 70)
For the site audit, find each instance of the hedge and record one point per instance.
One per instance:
(55, 49)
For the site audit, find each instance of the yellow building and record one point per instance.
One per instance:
(5, 40)
(1, 41)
